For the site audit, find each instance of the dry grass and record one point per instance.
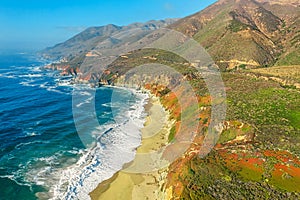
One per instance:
(292, 71)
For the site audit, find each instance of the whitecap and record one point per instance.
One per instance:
(51, 89)
(106, 104)
(30, 143)
(10, 76)
(44, 85)
(64, 83)
(85, 93)
(36, 69)
(80, 104)
(31, 75)
(102, 161)
(14, 178)
(32, 134)
(27, 83)
(74, 179)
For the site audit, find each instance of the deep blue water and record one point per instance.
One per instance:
(42, 153)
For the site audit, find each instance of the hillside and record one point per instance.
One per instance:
(247, 32)
(237, 34)
(89, 38)
(257, 153)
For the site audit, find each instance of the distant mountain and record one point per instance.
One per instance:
(247, 32)
(236, 33)
(257, 154)
(89, 38)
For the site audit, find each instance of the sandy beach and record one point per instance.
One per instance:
(136, 186)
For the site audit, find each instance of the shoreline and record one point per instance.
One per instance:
(138, 186)
(137, 117)
(124, 185)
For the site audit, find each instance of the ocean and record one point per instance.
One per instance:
(59, 140)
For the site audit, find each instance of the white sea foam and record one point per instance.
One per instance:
(8, 75)
(28, 83)
(64, 83)
(14, 178)
(116, 145)
(85, 93)
(106, 104)
(21, 145)
(86, 101)
(31, 75)
(31, 133)
(36, 69)
(64, 178)
(50, 88)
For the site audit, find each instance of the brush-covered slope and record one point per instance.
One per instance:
(247, 32)
(236, 33)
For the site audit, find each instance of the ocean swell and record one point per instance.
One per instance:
(115, 145)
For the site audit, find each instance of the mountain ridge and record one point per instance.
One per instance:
(248, 33)
(228, 27)
(86, 40)
(257, 153)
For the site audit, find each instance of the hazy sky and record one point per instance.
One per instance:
(35, 24)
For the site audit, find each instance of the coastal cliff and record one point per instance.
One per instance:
(257, 153)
